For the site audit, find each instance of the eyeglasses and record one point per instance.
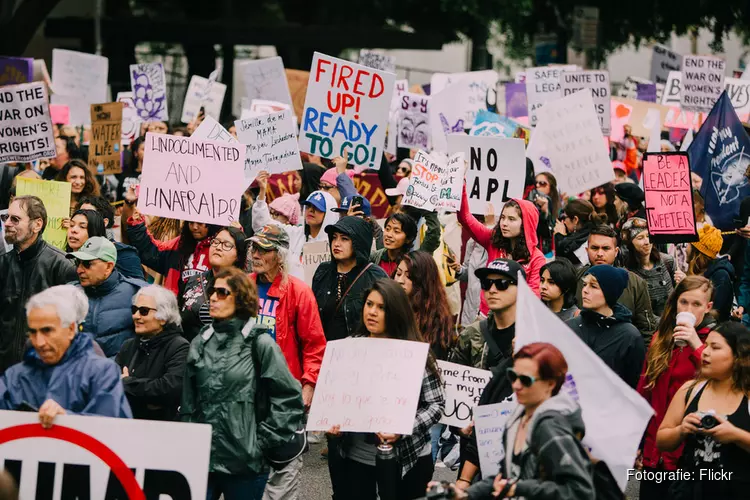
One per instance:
(142, 310)
(221, 293)
(542, 183)
(526, 380)
(85, 263)
(405, 170)
(13, 218)
(501, 284)
(224, 245)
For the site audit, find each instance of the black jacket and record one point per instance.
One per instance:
(326, 276)
(614, 339)
(566, 245)
(156, 367)
(22, 275)
(721, 273)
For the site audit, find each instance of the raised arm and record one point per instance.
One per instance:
(477, 230)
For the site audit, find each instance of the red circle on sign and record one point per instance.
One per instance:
(78, 438)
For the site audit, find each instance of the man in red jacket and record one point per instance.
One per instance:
(288, 306)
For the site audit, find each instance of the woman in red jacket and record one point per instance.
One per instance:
(673, 359)
(514, 237)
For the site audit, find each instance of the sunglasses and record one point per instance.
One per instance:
(501, 284)
(542, 183)
(404, 169)
(526, 380)
(221, 293)
(143, 310)
(85, 263)
(13, 218)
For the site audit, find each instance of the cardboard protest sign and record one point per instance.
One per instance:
(313, 254)
(497, 169)
(571, 139)
(131, 124)
(266, 79)
(271, 142)
(56, 198)
(192, 179)
(368, 385)
(606, 401)
(376, 60)
(16, 70)
(447, 116)
(451, 183)
(664, 61)
(598, 82)
(106, 134)
(543, 85)
(93, 457)
(463, 386)
(346, 109)
(669, 198)
(672, 89)
(60, 114)
(297, 80)
(414, 121)
(489, 424)
(202, 92)
(471, 91)
(26, 132)
(702, 82)
(149, 85)
(424, 183)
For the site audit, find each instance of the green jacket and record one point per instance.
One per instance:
(471, 349)
(219, 389)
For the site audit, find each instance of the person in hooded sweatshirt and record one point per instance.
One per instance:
(605, 325)
(514, 237)
(338, 285)
(702, 261)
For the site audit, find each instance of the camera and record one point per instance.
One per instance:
(708, 420)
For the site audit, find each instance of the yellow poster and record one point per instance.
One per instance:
(56, 198)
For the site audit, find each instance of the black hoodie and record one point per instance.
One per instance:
(341, 321)
(721, 273)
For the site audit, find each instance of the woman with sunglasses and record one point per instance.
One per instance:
(572, 231)
(547, 198)
(228, 249)
(388, 315)
(153, 364)
(226, 364)
(603, 200)
(541, 434)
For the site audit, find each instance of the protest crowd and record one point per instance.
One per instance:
(549, 303)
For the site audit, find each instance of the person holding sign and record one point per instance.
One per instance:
(387, 314)
(82, 181)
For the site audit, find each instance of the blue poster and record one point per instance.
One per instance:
(720, 155)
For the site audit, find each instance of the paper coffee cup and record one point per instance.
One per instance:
(686, 318)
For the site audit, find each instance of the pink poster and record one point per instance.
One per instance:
(669, 198)
(60, 114)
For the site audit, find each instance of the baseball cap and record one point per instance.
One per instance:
(366, 208)
(97, 247)
(317, 200)
(400, 189)
(506, 267)
(618, 165)
(271, 237)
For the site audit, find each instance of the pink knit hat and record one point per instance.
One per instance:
(288, 205)
(331, 174)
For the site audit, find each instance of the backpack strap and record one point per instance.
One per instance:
(338, 306)
(484, 326)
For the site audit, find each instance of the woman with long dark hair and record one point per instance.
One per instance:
(558, 284)
(82, 181)
(572, 231)
(84, 224)
(387, 314)
(603, 199)
(546, 196)
(400, 231)
(673, 358)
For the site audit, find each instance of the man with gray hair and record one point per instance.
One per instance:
(61, 373)
(153, 364)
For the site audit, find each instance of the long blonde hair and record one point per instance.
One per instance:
(660, 353)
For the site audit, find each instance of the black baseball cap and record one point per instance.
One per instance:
(506, 267)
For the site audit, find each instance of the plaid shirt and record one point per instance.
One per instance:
(429, 411)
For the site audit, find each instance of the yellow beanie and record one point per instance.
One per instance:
(710, 241)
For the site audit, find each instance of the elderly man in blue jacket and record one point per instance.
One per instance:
(110, 294)
(60, 372)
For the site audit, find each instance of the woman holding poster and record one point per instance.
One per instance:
(387, 314)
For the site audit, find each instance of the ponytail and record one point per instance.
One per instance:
(585, 212)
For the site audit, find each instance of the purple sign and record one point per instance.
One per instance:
(516, 105)
(15, 70)
(646, 92)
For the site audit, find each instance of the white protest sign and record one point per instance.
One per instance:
(497, 169)
(424, 182)
(92, 457)
(192, 179)
(472, 93)
(79, 80)
(598, 83)
(199, 93)
(614, 414)
(149, 85)
(463, 387)
(489, 425)
(346, 109)
(131, 124)
(543, 85)
(400, 87)
(664, 61)
(369, 385)
(630, 89)
(266, 79)
(702, 82)
(313, 254)
(447, 116)
(672, 89)
(26, 132)
(264, 107)
(212, 130)
(376, 60)
(739, 93)
(451, 184)
(414, 121)
(271, 142)
(571, 138)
